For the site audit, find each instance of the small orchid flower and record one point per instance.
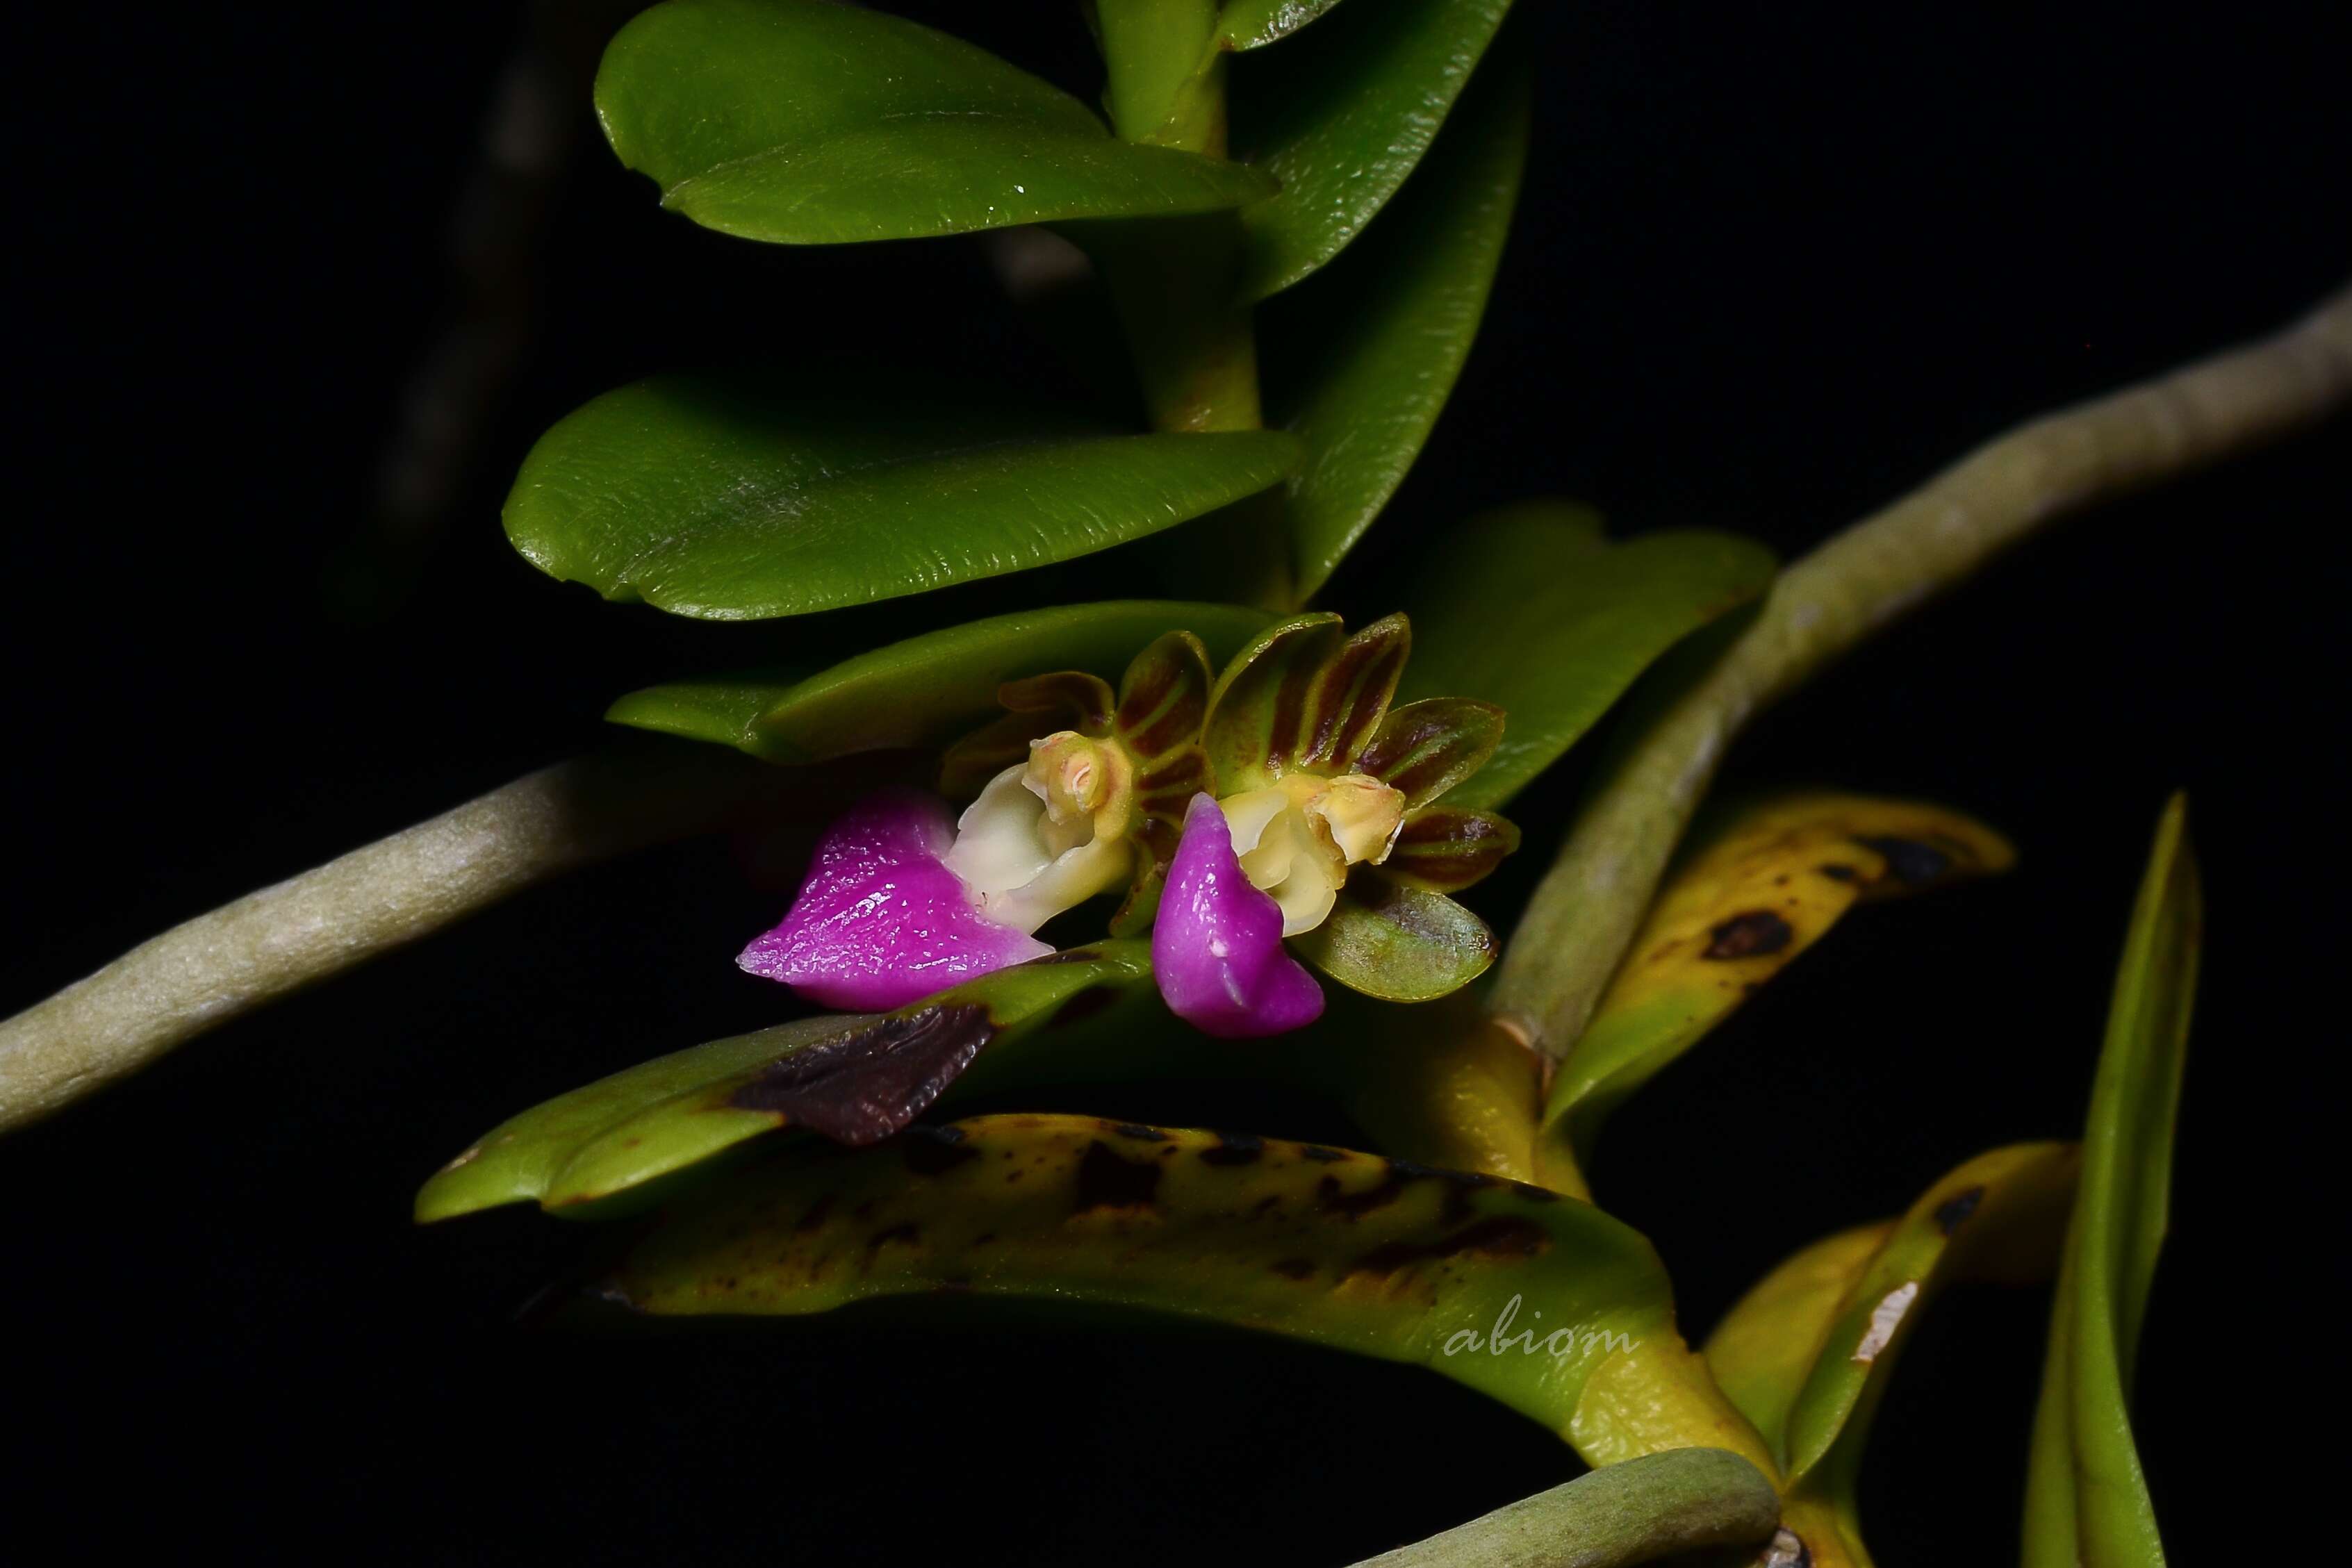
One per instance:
(1320, 777)
(898, 906)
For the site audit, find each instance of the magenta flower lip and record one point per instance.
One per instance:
(1216, 947)
(881, 921)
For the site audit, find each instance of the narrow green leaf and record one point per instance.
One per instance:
(1343, 117)
(1807, 1354)
(1766, 884)
(1377, 1256)
(1390, 329)
(1531, 610)
(2086, 1500)
(1399, 943)
(810, 123)
(712, 499)
(1252, 24)
(721, 709)
(661, 1117)
(1650, 1509)
(927, 689)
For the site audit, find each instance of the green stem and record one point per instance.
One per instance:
(1686, 1500)
(220, 966)
(1576, 927)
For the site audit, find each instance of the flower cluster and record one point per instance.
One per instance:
(1232, 813)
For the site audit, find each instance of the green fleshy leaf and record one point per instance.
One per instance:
(1531, 610)
(1444, 849)
(1345, 1250)
(708, 498)
(1254, 24)
(925, 690)
(1399, 943)
(1343, 117)
(1761, 887)
(1255, 709)
(1389, 328)
(579, 1151)
(810, 123)
(1427, 747)
(2086, 1500)
(721, 709)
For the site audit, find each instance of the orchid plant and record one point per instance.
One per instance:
(1196, 827)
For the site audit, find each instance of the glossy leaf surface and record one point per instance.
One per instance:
(1532, 609)
(713, 498)
(810, 123)
(1399, 943)
(1348, 112)
(926, 689)
(1765, 886)
(853, 1076)
(2086, 1500)
(1369, 1255)
(1394, 324)
(1807, 1354)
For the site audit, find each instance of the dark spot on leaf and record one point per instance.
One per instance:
(984, 1238)
(1108, 1180)
(909, 1233)
(1293, 1268)
(934, 1151)
(1320, 1154)
(1754, 935)
(1234, 1149)
(861, 1087)
(1838, 870)
(1496, 1235)
(1355, 1205)
(816, 1213)
(1952, 1215)
(1910, 862)
(1138, 1130)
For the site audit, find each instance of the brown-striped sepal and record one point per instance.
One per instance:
(1163, 699)
(1444, 849)
(1425, 749)
(1035, 706)
(1258, 707)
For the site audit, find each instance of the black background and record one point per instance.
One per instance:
(1774, 265)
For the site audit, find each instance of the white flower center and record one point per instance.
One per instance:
(1297, 837)
(1048, 834)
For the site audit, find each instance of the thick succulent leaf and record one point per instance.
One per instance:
(1427, 747)
(1391, 327)
(2086, 1501)
(922, 691)
(1342, 117)
(1399, 943)
(810, 123)
(721, 709)
(1385, 1258)
(1662, 1507)
(855, 1077)
(1252, 24)
(1444, 849)
(1807, 1354)
(713, 498)
(1531, 610)
(1765, 885)
(1164, 696)
(1261, 699)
